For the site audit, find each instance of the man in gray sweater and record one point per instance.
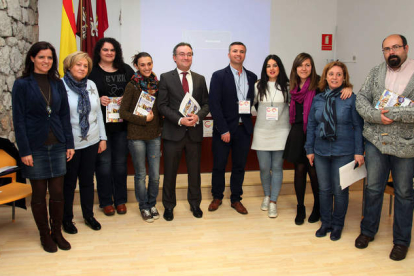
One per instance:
(389, 145)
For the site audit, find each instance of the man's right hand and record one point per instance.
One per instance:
(226, 137)
(384, 119)
(188, 121)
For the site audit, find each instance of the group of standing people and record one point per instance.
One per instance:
(314, 122)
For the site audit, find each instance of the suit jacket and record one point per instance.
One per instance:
(170, 95)
(223, 101)
(30, 119)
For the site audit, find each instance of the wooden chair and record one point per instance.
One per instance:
(14, 190)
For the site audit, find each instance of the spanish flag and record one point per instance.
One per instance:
(67, 33)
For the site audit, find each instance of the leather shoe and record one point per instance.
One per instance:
(214, 205)
(196, 211)
(238, 206)
(121, 209)
(398, 252)
(109, 210)
(69, 227)
(362, 241)
(168, 214)
(321, 232)
(336, 234)
(93, 223)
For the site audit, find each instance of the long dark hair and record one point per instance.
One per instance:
(119, 59)
(53, 72)
(294, 77)
(282, 80)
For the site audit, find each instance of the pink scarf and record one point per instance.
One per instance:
(304, 96)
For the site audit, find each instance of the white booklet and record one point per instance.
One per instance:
(112, 111)
(389, 98)
(348, 175)
(144, 104)
(189, 105)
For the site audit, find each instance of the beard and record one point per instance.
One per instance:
(394, 61)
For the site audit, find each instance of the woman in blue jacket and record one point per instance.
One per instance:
(41, 119)
(334, 138)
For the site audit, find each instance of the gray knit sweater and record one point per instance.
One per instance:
(395, 139)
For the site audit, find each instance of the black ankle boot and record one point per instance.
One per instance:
(301, 215)
(315, 215)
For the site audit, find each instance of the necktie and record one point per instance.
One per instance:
(185, 82)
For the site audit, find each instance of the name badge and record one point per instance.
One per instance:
(244, 107)
(272, 113)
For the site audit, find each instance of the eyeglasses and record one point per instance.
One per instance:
(184, 54)
(394, 48)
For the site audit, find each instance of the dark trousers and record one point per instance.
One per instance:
(81, 166)
(172, 156)
(239, 145)
(111, 170)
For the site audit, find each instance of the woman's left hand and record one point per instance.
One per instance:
(69, 154)
(359, 159)
(102, 146)
(346, 93)
(120, 100)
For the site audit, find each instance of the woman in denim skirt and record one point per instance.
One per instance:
(41, 119)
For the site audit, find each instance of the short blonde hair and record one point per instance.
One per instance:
(73, 58)
(322, 82)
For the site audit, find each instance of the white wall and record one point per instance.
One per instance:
(297, 26)
(363, 24)
(359, 26)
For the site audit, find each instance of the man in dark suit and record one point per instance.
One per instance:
(181, 132)
(230, 99)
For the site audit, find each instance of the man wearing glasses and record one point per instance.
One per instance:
(182, 132)
(389, 145)
(231, 96)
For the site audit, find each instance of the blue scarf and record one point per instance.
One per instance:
(328, 129)
(84, 105)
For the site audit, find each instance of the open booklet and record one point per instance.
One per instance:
(389, 98)
(189, 105)
(144, 104)
(112, 111)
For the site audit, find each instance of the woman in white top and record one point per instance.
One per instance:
(271, 128)
(88, 134)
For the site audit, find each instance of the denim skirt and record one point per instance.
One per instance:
(48, 161)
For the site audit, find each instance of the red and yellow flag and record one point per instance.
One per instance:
(67, 33)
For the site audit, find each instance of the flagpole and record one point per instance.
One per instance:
(81, 28)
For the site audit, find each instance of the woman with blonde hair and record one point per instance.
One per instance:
(89, 137)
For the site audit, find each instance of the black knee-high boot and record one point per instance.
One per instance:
(40, 216)
(56, 215)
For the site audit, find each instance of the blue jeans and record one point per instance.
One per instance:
(333, 200)
(111, 170)
(378, 168)
(150, 149)
(271, 172)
